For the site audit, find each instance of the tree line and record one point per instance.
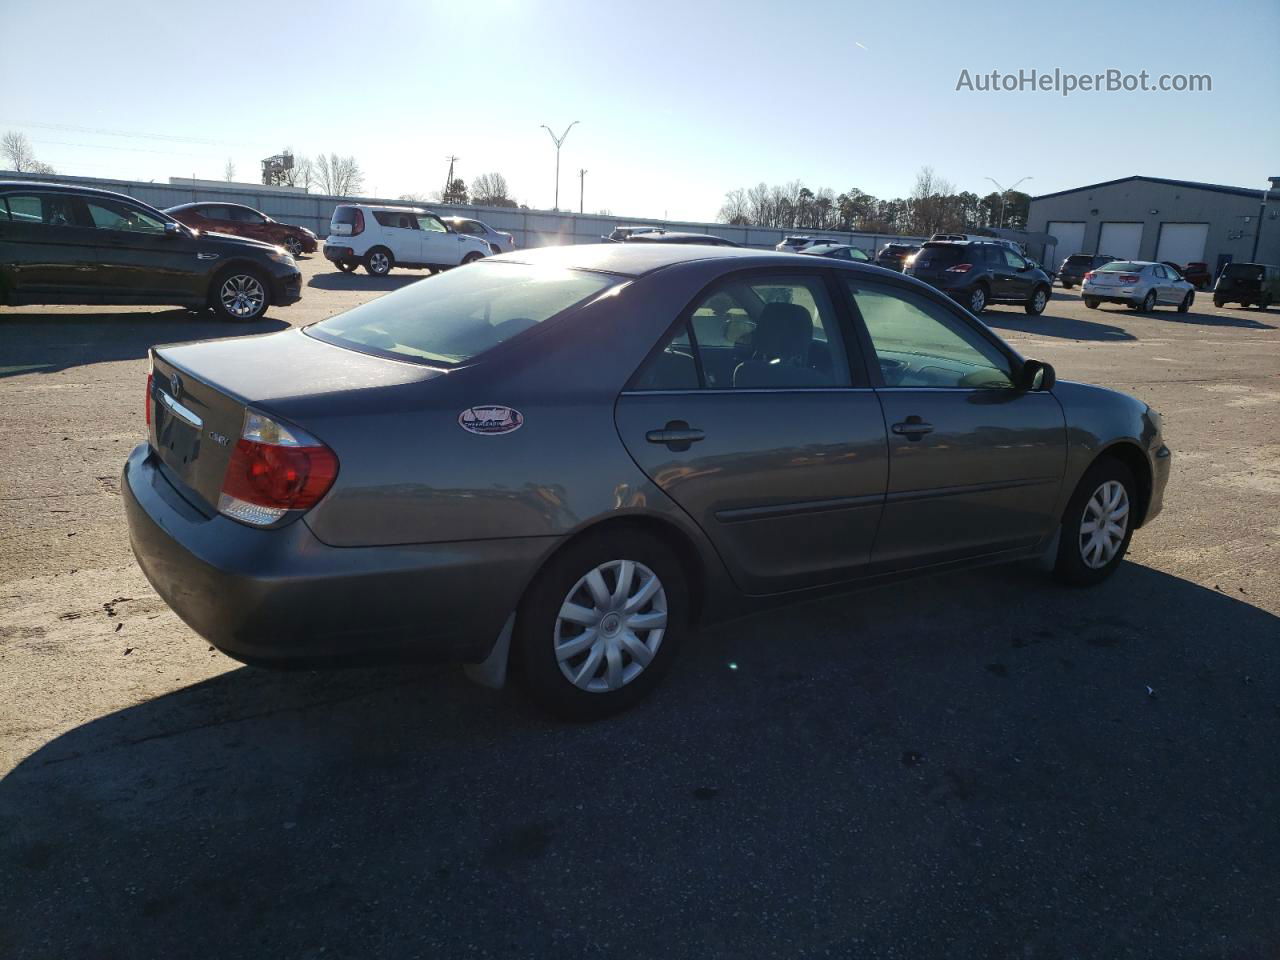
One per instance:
(933, 206)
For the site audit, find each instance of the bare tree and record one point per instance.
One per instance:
(491, 190)
(229, 171)
(736, 208)
(929, 202)
(18, 153)
(338, 176)
(414, 197)
(301, 174)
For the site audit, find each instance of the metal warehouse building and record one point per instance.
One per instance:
(1149, 218)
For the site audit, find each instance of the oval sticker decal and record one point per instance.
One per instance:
(490, 418)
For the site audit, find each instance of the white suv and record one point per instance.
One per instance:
(386, 237)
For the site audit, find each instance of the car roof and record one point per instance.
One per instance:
(44, 186)
(637, 259)
(665, 237)
(387, 207)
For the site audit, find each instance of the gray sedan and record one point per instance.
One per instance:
(1138, 284)
(573, 455)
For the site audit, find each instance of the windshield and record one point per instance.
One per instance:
(455, 316)
(1080, 260)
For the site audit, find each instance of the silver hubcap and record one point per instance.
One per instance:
(978, 301)
(242, 296)
(1039, 301)
(610, 626)
(379, 262)
(294, 246)
(1105, 520)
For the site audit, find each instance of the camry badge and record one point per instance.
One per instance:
(490, 418)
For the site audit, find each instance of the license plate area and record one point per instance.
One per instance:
(178, 430)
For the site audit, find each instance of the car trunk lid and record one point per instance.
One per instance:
(200, 392)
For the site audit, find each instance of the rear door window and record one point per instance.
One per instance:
(49, 209)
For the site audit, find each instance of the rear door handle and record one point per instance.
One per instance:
(913, 428)
(676, 435)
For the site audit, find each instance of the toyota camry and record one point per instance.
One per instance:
(570, 457)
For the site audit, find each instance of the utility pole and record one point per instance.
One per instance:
(558, 141)
(1004, 194)
(448, 180)
(582, 187)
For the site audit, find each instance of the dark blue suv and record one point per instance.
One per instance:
(978, 273)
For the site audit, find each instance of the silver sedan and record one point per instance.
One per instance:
(1138, 284)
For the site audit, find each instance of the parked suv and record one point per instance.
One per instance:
(65, 244)
(498, 241)
(1248, 284)
(384, 237)
(979, 273)
(1077, 265)
(893, 256)
(1197, 274)
(241, 221)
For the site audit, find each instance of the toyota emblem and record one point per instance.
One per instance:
(175, 385)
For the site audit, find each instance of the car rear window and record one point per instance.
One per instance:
(344, 215)
(944, 253)
(1080, 260)
(457, 315)
(1243, 271)
(1122, 266)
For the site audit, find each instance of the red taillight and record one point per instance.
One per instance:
(1129, 278)
(358, 226)
(274, 469)
(149, 377)
(1089, 275)
(960, 268)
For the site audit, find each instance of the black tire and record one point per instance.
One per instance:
(977, 300)
(495, 248)
(294, 246)
(379, 261)
(346, 266)
(251, 306)
(555, 585)
(1189, 299)
(1092, 302)
(1070, 566)
(1038, 301)
(1148, 302)
(1218, 302)
(1067, 286)
(1264, 303)
(472, 258)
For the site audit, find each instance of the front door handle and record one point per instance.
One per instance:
(677, 435)
(913, 428)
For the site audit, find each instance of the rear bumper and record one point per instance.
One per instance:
(337, 252)
(282, 597)
(1112, 295)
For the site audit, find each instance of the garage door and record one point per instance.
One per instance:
(1122, 240)
(1182, 243)
(1070, 240)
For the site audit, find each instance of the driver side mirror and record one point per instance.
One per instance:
(172, 229)
(1037, 375)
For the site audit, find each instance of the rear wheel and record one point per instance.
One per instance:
(1189, 299)
(294, 246)
(378, 261)
(1097, 525)
(600, 624)
(1092, 302)
(1039, 300)
(1264, 303)
(346, 266)
(240, 295)
(1148, 302)
(978, 299)
(1067, 286)
(1218, 301)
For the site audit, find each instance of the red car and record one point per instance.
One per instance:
(242, 221)
(1197, 274)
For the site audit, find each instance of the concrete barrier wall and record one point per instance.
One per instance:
(531, 228)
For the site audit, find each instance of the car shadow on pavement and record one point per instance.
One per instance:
(1046, 772)
(34, 342)
(1048, 325)
(364, 282)
(1216, 320)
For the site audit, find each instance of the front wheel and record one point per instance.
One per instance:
(600, 624)
(239, 295)
(1039, 300)
(378, 261)
(1067, 286)
(1092, 302)
(1189, 299)
(294, 246)
(1097, 525)
(472, 258)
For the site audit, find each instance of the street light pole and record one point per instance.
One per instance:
(558, 141)
(582, 186)
(1004, 195)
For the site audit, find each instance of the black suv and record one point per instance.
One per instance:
(67, 244)
(1078, 264)
(977, 274)
(893, 255)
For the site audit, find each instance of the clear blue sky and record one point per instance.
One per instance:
(678, 101)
